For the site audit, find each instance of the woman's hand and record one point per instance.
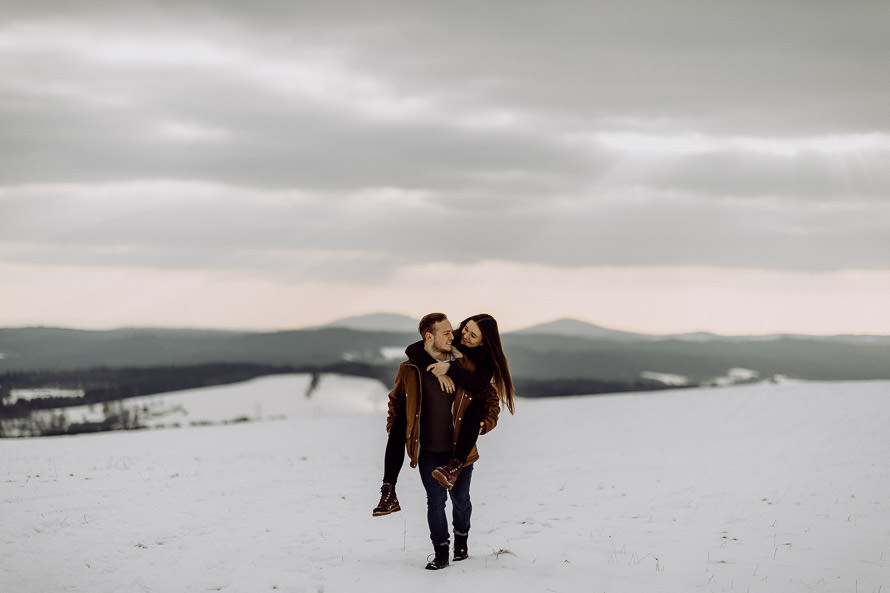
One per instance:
(439, 368)
(446, 383)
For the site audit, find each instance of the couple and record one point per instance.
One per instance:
(445, 396)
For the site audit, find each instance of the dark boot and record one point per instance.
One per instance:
(447, 474)
(389, 503)
(440, 560)
(460, 548)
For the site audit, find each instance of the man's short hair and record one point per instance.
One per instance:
(428, 321)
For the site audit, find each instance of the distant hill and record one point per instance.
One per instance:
(578, 328)
(392, 322)
(51, 349)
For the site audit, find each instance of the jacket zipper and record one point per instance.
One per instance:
(419, 408)
(455, 408)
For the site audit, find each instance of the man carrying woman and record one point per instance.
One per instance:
(444, 396)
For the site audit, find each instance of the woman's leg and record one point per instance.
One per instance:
(392, 465)
(394, 457)
(447, 474)
(469, 430)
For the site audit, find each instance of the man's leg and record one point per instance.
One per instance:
(436, 495)
(461, 509)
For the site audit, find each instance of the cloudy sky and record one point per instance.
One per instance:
(645, 165)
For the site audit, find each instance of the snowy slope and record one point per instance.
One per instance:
(777, 488)
(265, 398)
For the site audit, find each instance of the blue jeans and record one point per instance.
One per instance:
(436, 495)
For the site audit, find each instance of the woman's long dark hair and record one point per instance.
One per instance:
(491, 342)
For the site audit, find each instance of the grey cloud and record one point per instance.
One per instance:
(513, 190)
(267, 140)
(809, 177)
(782, 67)
(315, 236)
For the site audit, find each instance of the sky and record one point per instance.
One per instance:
(644, 165)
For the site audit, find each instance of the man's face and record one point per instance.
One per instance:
(442, 336)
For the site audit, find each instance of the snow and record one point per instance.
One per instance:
(666, 378)
(734, 375)
(29, 394)
(266, 398)
(269, 398)
(740, 374)
(759, 487)
(393, 352)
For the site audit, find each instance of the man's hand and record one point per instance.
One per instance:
(446, 383)
(439, 368)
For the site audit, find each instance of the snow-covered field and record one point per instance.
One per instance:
(765, 487)
(270, 398)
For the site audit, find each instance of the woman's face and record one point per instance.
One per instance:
(471, 336)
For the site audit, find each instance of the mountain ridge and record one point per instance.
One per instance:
(383, 321)
(399, 323)
(569, 326)
(532, 356)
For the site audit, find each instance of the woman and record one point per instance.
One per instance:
(480, 342)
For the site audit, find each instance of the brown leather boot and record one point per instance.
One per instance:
(389, 503)
(447, 474)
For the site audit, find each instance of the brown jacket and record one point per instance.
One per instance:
(406, 397)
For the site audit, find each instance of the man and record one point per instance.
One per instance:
(426, 411)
